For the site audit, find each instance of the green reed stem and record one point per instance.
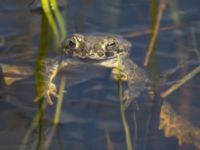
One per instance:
(136, 130)
(122, 109)
(40, 79)
(40, 86)
(48, 13)
(59, 103)
(182, 81)
(59, 17)
(155, 28)
(57, 114)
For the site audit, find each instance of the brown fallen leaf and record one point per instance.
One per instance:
(13, 73)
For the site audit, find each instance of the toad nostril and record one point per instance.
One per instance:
(119, 50)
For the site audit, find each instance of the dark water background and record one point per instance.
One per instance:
(91, 108)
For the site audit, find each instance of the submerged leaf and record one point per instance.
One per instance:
(13, 73)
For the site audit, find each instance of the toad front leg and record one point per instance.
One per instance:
(51, 69)
(135, 76)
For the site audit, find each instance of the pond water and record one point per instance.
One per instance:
(90, 115)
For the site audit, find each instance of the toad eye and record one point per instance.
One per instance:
(69, 44)
(111, 46)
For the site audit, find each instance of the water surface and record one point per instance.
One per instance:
(90, 109)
